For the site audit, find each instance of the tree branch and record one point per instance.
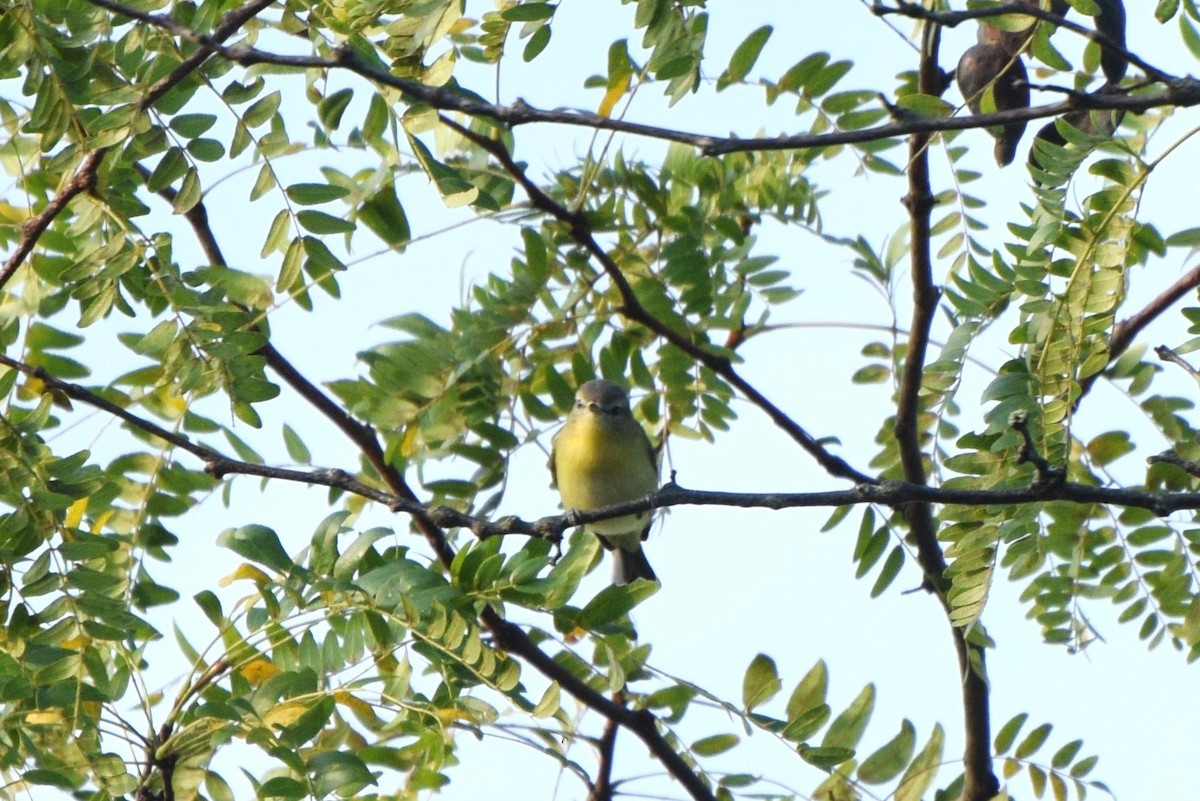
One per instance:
(888, 493)
(1179, 92)
(979, 780)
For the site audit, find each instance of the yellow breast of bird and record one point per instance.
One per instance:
(600, 462)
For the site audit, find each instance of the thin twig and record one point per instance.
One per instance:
(1168, 355)
(1190, 466)
(602, 787)
(1046, 473)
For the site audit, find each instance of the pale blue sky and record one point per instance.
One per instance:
(737, 582)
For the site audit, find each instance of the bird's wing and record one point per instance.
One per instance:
(655, 452)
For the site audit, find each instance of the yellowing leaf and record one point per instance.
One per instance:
(13, 214)
(615, 92)
(33, 387)
(439, 72)
(75, 512)
(455, 716)
(386, 662)
(101, 519)
(358, 706)
(258, 670)
(286, 713)
(44, 718)
(245, 572)
(459, 199)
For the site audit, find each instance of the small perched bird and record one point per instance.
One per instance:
(603, 457)
(986, 67)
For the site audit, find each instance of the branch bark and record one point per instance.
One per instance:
(979, 780)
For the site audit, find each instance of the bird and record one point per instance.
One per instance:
(601, 457)
(988, 66)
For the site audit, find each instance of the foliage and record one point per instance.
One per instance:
(356, 664)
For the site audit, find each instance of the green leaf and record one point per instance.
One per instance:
(295, 446)
(923, 770)
(289, 270)
(550, 702)
(331, 108)
(52, 778)
(258, 544)
(807, 723)
(847, 728)
(810, 691)
(262, 110)
(887, 763)
(190, 126)
(1008, 733)
(1033, 741)
(716, 744)
(314, 194)
(1187, 238)
(455, 189)
(615, 601)
(744, 57)
(277, 233)
(45, 337)
(320, 223)
(536, 44)
(282, 787)
(891, 569)
(385, 217)
(761, 682)
(825, 757)
(170, 168)
(1107, 448)
(209, 150)
(528, 12)
(1064, 756)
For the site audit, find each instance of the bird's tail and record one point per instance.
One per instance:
(631, 565)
